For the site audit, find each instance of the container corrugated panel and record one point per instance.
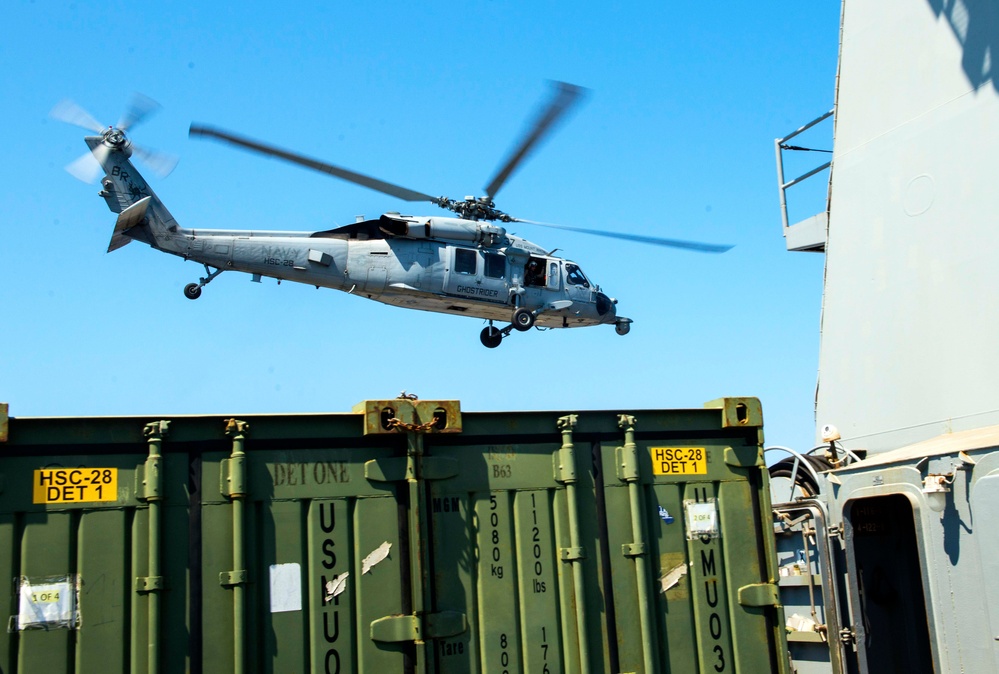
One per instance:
(406, 536)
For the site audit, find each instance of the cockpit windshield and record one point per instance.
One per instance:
(575, 276)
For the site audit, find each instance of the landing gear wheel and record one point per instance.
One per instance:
(491, 337)
(523, 320)
(192, 291)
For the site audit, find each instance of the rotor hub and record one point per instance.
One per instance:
(115, 138)
(472, 208)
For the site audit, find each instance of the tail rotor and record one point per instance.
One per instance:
(89, 166)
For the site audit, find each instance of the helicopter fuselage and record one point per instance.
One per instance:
(444, 276)
(463, 265)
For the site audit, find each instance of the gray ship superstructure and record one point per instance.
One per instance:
(887, 549)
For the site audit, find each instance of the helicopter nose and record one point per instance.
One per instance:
(605, 306)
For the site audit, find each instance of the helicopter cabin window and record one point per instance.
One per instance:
(534, 272)
(574, 275)
(495, 265)
(465, 261)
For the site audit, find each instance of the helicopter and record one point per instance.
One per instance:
(468, 264)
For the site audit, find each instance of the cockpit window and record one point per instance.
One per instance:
(575, 276)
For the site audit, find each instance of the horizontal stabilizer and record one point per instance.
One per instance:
(127, 219)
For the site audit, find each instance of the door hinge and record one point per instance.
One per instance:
(397, 628)
(233, 578)
(144, 584)
(232, 477)
(633, 549)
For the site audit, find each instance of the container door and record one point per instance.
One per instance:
(688, 554)
(297, 565)
(88, 553)
(496, 526)
(579, 544)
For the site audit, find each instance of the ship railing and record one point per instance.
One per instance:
(809, 234)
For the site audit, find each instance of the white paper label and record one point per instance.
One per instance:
(702, 519)
(46, 604)
(286, 587)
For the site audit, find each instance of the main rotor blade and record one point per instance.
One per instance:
(653, 240)
(70, 112)
(140, 107)
(565, 96)
(335, 171)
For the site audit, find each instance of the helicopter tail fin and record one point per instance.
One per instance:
(141, 214)
(127, 219)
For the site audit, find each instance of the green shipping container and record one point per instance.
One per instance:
(406, 536)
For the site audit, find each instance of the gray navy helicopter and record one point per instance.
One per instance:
(467, 265)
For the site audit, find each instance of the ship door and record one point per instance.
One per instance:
(887, 586)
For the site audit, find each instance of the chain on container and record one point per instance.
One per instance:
(412, 428)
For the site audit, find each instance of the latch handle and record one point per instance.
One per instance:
(397, 628)
(758, 595)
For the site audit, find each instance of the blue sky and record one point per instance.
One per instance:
(675, 139)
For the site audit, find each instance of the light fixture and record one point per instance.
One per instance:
(830, 433)
(936, 487)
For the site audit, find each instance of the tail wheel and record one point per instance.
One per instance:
(490, 337)
(192, 291)
(523, 319)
